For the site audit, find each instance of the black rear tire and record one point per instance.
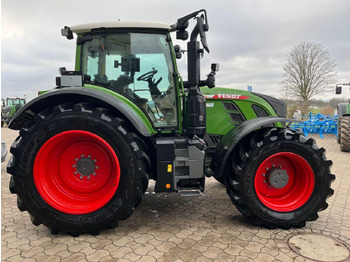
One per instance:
(345, 134)
(339, 130)
(257, 200)
(96, 122)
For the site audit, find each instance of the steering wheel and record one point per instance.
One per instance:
(148, 75)
(152, 84)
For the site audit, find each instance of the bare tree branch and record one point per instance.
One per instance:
(309, 71)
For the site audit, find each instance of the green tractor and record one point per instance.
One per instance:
(9, 107)
(343, 111)
(87, 149)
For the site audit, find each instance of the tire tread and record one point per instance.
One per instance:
(238, 168)
(77, 225)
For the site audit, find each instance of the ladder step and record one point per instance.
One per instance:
(189, 192)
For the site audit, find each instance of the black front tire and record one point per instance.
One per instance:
(251, 196)
(97, 122)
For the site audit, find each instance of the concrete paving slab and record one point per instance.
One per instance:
(168, 227)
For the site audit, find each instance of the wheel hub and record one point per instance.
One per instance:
(85, 166)
(278, 178)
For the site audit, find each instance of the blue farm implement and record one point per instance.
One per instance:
(318, 124)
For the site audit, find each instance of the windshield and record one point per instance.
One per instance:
(140, 66)
(15, 101)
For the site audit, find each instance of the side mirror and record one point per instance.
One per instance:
(202, 28)
(338, 89)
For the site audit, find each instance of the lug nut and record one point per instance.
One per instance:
(94, 174)
(263, 174)
(75, 172)
(81, 177)
(76, 159)
(88, 177)
(96, 167)
(74, 165)
(82, 155)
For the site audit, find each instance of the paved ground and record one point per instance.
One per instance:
(167, 227)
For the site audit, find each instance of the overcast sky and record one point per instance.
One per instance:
(250, 39)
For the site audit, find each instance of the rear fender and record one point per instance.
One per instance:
(343, 109)
(234, 136)
(80, 94)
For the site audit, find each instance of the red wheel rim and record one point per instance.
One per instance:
(296, 188)
(76, 172)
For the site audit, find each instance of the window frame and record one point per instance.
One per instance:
(166, 129)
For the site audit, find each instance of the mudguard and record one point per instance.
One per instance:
(81, 94)
(343, 109)
(234, 136)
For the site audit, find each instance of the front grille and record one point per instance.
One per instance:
(230, 106)
(236, 117)
(215, 139)
(260, 112)
(212, 140)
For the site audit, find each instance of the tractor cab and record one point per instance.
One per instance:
(15, 101)
(134, 59)
(343, 114)
(137, 60)
(9, 107)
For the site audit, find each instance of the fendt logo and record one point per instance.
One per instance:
(226, 96)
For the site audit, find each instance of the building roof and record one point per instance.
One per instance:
(120, 24)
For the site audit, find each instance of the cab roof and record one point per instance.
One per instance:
(84, 28)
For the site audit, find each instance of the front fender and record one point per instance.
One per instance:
(81, 94)
(234, 136)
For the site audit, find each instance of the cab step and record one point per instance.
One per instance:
(189, 192)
